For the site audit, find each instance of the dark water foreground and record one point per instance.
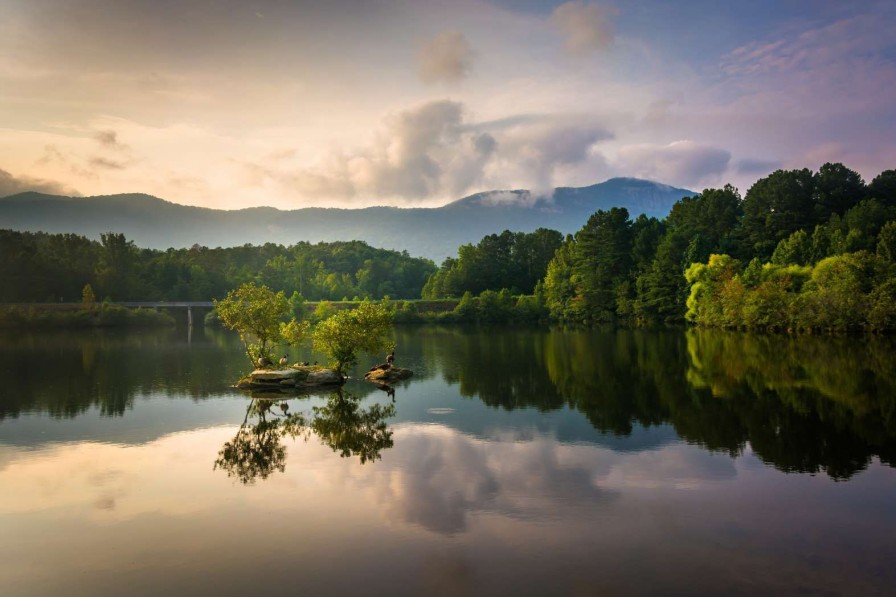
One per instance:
(515, 462)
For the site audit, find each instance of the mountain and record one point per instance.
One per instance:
(435, 233)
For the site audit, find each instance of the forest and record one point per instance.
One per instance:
(801, 250)
(40, 267)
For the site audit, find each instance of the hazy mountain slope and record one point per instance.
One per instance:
(435, 233)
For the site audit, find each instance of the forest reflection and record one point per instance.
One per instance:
(804, 404)
(800, 403)
(66, 373)
(257, 450)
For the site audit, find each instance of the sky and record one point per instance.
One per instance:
(240, 103)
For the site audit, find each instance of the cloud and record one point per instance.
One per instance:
(756, 166)
(452, 477)
(839, 66)
(433, 151)
(679, 163)
(108, 139)
(10, 185)
(107, 164)
(586, 27)
(531, 154)
(447, 58)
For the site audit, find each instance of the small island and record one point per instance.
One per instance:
(296, 376)
(264, 321)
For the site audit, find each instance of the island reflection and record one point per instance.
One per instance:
(257, 449)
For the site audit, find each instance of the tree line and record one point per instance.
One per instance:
(826, 235)
(40, 267)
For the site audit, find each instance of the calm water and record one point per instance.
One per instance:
(516, 462)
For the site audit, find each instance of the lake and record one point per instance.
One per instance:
(515, 462)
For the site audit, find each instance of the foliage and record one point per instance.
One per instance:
(58, 265)
(351, 430)
(88, 298)
(258, 314)
(616, 269)
(256, 451)
(513, 260)
(852, 291)
(343, 335)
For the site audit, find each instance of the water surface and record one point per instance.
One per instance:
(516, 461)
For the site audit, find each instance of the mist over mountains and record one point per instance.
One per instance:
(435, 233)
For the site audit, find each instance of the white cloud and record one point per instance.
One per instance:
(683, 163)
(447, 58)
(532, 153)
(585, 27)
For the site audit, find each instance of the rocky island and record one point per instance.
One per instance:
(296, 376)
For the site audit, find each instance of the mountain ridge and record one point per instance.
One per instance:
(433, 232)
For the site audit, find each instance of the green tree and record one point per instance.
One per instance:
(344, 334)
(115, 271)
(886, 242)
(257, 312)
(774, 208)
(601, 260)
(837, 189)
(796, 249)
(559, 291)
(883, 188)
(707, 281)
(88, 298)
(662, 289)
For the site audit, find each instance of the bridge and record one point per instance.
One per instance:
(188, 305)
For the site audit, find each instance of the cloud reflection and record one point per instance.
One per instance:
(435, 477)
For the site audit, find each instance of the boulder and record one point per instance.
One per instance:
(322, 377)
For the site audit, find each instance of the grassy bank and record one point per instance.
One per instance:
(97, 316)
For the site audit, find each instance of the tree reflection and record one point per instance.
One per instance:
(66, 373)
(257, 450)
(350, 430)
(802, 404)
(807, 403)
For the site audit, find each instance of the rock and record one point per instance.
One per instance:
(296, 377)
(390, 374)
(276, 375)
(323, 377)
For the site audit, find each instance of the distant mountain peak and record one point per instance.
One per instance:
(429, 232)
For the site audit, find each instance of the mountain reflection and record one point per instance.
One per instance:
(257, 449)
